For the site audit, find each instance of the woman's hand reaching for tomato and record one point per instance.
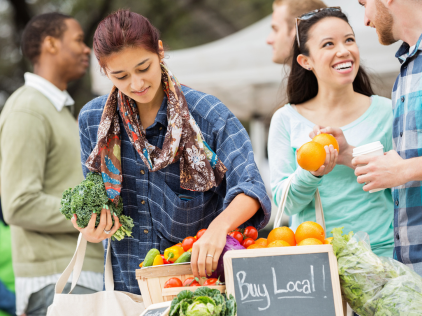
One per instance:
(207, 250)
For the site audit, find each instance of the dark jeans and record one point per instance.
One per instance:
(7, 300)
(40, 301)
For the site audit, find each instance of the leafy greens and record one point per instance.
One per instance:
(203, 302)
(89, 196)
(372, 285)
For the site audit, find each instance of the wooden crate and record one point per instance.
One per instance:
(151, 282)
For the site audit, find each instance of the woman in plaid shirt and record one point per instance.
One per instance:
(179, 158)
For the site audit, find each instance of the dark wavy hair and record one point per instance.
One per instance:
(302, 84)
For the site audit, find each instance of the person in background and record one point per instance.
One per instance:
(400, 168)
(7, 278)
(39, 159)
(283, 29)
(327, 86)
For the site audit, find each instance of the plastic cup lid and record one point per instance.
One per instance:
(368, 148)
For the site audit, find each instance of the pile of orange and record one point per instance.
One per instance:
(307, 234)
(311, 155)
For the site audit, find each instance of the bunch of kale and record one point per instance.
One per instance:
(203, 302)
(372, 285)
(89, 196)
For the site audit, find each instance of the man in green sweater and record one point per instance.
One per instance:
(39, 159)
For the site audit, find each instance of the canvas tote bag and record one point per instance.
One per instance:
(319, 214)
(105, 303)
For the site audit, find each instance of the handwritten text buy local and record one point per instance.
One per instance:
(250, 292)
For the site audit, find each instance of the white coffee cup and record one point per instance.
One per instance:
(371, 149)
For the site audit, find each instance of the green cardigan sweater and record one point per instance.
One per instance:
(39, 159)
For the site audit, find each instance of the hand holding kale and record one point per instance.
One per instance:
(89, 196)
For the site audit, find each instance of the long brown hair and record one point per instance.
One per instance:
(302, 84)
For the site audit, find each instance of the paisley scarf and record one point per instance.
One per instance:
(200, 168)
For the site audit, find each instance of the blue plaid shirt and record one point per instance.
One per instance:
(407, 139)
(153, 199)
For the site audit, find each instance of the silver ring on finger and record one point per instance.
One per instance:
(107, 231)
(208, 255)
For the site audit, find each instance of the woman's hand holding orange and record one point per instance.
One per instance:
(345, 150)
(330, 162)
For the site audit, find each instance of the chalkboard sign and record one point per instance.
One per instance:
(301, 280)
(160, 309)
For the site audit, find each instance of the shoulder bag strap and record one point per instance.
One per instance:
(109, 281)
(319, 213)
(76, 264)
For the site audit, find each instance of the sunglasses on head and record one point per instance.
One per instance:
(309, 15)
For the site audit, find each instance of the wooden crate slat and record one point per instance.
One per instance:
(143, 286)
(164, 270)
(155, 290)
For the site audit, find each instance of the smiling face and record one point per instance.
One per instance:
(282, 34)
(136, 72)
(378, 17)
(333, 53)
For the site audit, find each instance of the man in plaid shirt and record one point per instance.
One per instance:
(401, 168)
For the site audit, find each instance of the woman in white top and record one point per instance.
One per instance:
(327, 87)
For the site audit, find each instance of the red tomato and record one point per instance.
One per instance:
(211, 281)
(173, 282)
(188, 242)
(247, 242)
(191, 282)
(237, 235)
(251, 232)
(200, 233)
(164, 260)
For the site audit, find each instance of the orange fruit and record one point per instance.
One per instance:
(255, 246)
(309, 230)
(326, 140)
(278, 243)
(311, 156)
(310, 242)
(261, 241)
(327, 241)
(282, 233)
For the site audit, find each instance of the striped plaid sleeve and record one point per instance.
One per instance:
(234, 148)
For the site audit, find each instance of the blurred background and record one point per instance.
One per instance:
(214, 46)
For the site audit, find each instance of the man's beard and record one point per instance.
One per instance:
(384, 24)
